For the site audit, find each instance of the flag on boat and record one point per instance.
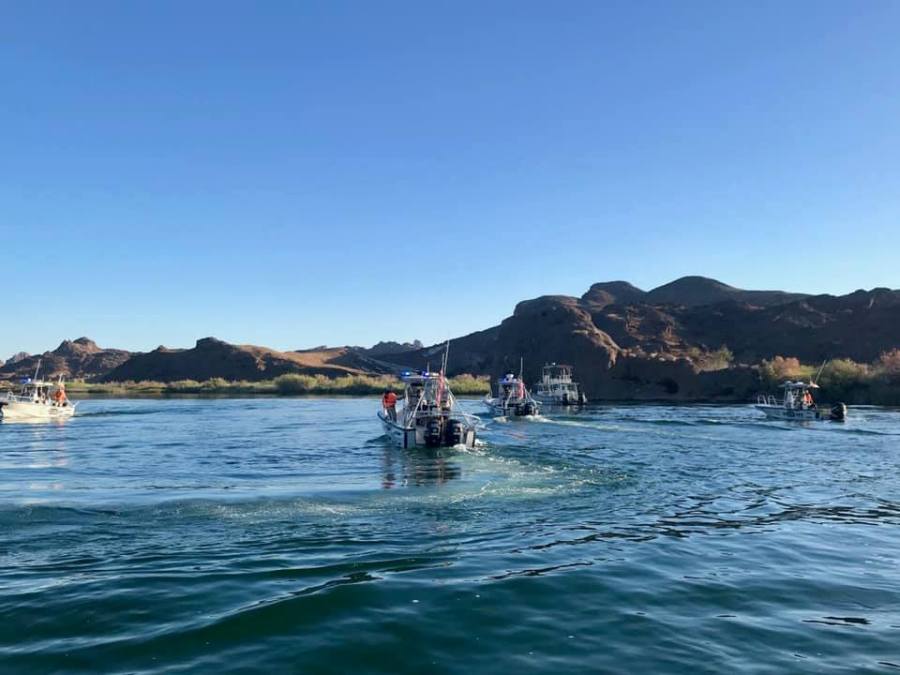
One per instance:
(440, 391)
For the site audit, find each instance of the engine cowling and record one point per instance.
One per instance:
(455, 432)
(433, 433)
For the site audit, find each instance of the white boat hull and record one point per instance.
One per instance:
(24, 411)
(549, 399)
(779, 412)
(500, 408)
(414, 437)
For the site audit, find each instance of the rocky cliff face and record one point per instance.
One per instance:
(626, 343)
(80, 358)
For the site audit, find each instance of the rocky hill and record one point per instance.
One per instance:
(626, 343)
(389, 347)
(80, 358)
(694, 338)
(15, 358)
(698, 291)
(211, 358)
(692, 291)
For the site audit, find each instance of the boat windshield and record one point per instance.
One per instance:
(427, 390)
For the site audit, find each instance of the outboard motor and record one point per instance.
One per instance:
(838, 412)
(454, 432)
(528, 408)
(565, 399)
(433, 433)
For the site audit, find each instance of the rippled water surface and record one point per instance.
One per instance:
(287, 535)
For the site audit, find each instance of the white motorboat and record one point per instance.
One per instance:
(798, 404)
(512, 399)
(428, 415)
(38, 400)
(557, 387)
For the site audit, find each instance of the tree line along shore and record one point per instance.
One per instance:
(285, 385)
(876, 383)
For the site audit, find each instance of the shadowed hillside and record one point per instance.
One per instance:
(212, 358)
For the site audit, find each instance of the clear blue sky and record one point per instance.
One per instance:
(292, 174)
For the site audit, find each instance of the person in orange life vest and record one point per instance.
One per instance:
(807, 399)
(59, 397)
(389, 401)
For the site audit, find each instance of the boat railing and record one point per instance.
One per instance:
(764, 399)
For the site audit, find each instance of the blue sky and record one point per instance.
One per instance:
(293, 174)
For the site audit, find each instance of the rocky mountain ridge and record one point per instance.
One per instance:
(73, 359)
(667, 343)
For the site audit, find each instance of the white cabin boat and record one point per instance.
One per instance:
(428, 415)
(512, 399)
(37, 400)
(557, 387)
(798, 404)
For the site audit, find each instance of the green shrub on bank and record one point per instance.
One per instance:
(285, 385)
(779, 369)
(889, 366)
(718, 359)
(470, 385)
(842, 379)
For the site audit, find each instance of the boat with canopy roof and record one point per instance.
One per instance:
(428, 415)
(798, 403)
(37, 400)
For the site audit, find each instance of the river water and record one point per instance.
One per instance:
(286, 535)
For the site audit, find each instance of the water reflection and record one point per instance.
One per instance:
(36, 422)
(419, 467)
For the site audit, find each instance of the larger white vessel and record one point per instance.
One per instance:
(557, 387)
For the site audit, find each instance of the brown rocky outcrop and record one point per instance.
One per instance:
(212, 358)
(629, 344)
(552, 328)
(81, 359)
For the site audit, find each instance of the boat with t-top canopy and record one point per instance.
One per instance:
(798, 403)
(37, 400)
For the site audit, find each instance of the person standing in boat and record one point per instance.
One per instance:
(808, 399)
(389, 402)
(59, 397)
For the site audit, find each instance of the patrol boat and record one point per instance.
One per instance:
(38, 400)
(428, 415)
(557, 387)
(513, 399)
(797, 404)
